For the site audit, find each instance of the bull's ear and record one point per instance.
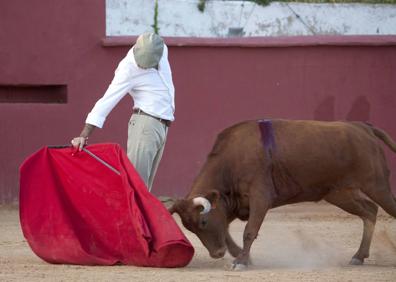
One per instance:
(172, 209)
(213, 196)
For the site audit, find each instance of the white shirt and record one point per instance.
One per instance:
(152, 90)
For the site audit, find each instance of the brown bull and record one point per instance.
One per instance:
(255, 166)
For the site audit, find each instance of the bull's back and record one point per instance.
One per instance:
(296, 142)
(320, 151)
(308, 157)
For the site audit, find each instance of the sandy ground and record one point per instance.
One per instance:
(305, 242)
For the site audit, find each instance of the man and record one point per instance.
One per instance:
(144, 74)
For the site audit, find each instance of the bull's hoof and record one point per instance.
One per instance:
(238, 267)
(356, 261)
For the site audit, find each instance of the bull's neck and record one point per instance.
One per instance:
(209, 179)
(214, 176)
(230, 206)
(202, 188)
(227, 202)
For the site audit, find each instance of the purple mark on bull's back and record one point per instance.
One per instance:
(267, 135)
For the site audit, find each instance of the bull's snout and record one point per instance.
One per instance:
(219, 253)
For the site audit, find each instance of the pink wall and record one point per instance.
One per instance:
(218, 82)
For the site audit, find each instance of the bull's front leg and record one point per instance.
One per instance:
(232, 247)
(258, 208)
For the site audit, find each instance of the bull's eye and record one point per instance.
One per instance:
(204, 222)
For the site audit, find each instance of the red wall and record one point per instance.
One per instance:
(218, 82)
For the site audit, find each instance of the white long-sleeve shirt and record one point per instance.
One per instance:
(152, 90)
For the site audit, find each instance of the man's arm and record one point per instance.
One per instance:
(81, 141)
(118, 88)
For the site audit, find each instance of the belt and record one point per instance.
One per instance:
(164, 121)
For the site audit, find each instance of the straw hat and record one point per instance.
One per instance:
(148, 50)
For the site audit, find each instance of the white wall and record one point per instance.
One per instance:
(182, 18)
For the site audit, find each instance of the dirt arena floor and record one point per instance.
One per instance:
(304, 242)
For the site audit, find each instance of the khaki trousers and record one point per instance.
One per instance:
(146, 142)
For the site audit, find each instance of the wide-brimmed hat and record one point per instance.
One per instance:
(148, 50)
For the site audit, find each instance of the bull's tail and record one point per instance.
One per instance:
(381, 134)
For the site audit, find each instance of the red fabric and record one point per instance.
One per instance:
(74, 209)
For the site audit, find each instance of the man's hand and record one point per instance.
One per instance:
(79, 142)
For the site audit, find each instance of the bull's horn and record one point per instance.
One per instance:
(201, 201)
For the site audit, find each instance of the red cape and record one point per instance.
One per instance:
(74, 209)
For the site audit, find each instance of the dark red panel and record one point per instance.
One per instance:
(33, 94)
(217, 83)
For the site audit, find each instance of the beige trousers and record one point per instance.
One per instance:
(146, 142)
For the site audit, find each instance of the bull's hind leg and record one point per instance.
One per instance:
(354, 202)
(380, 193)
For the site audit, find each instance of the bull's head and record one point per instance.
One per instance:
(205, 216)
